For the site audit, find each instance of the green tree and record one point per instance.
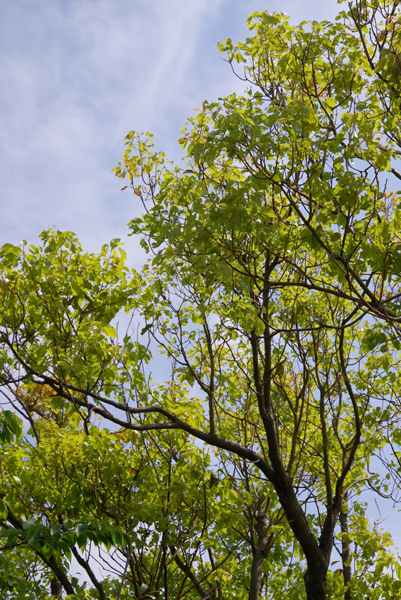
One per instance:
(273, 290)
(153, 504)
(74, 484)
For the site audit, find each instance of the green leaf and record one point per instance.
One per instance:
(116, 536)
(3, 509)
(55, 529)
(80, 528)
(9, 427)
(47, 551)
(12, 536)
(115, 242)
(146, 328)
(57, 401)
(110, 331)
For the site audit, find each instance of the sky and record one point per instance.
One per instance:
(77, 75)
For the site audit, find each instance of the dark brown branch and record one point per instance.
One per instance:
(51, 562)
(191, 576)
(85, 565)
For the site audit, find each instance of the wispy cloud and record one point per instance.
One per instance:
(75, 78)
(76, 75)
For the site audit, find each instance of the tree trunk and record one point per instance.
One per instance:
(56, 589)
(259, 554)
(345, 542)
(315, 582)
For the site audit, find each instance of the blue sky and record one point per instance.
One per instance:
(77, 75)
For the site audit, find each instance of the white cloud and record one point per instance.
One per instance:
(76, 75)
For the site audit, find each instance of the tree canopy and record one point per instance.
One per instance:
(273, 292)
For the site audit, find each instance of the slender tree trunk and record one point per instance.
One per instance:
(345, 542)
(259, 554)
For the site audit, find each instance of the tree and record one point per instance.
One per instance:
(273, 290)
(76, 489)
(74, 485)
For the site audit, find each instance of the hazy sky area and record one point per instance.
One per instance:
(77, 75)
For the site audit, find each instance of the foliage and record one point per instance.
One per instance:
(273, 289)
